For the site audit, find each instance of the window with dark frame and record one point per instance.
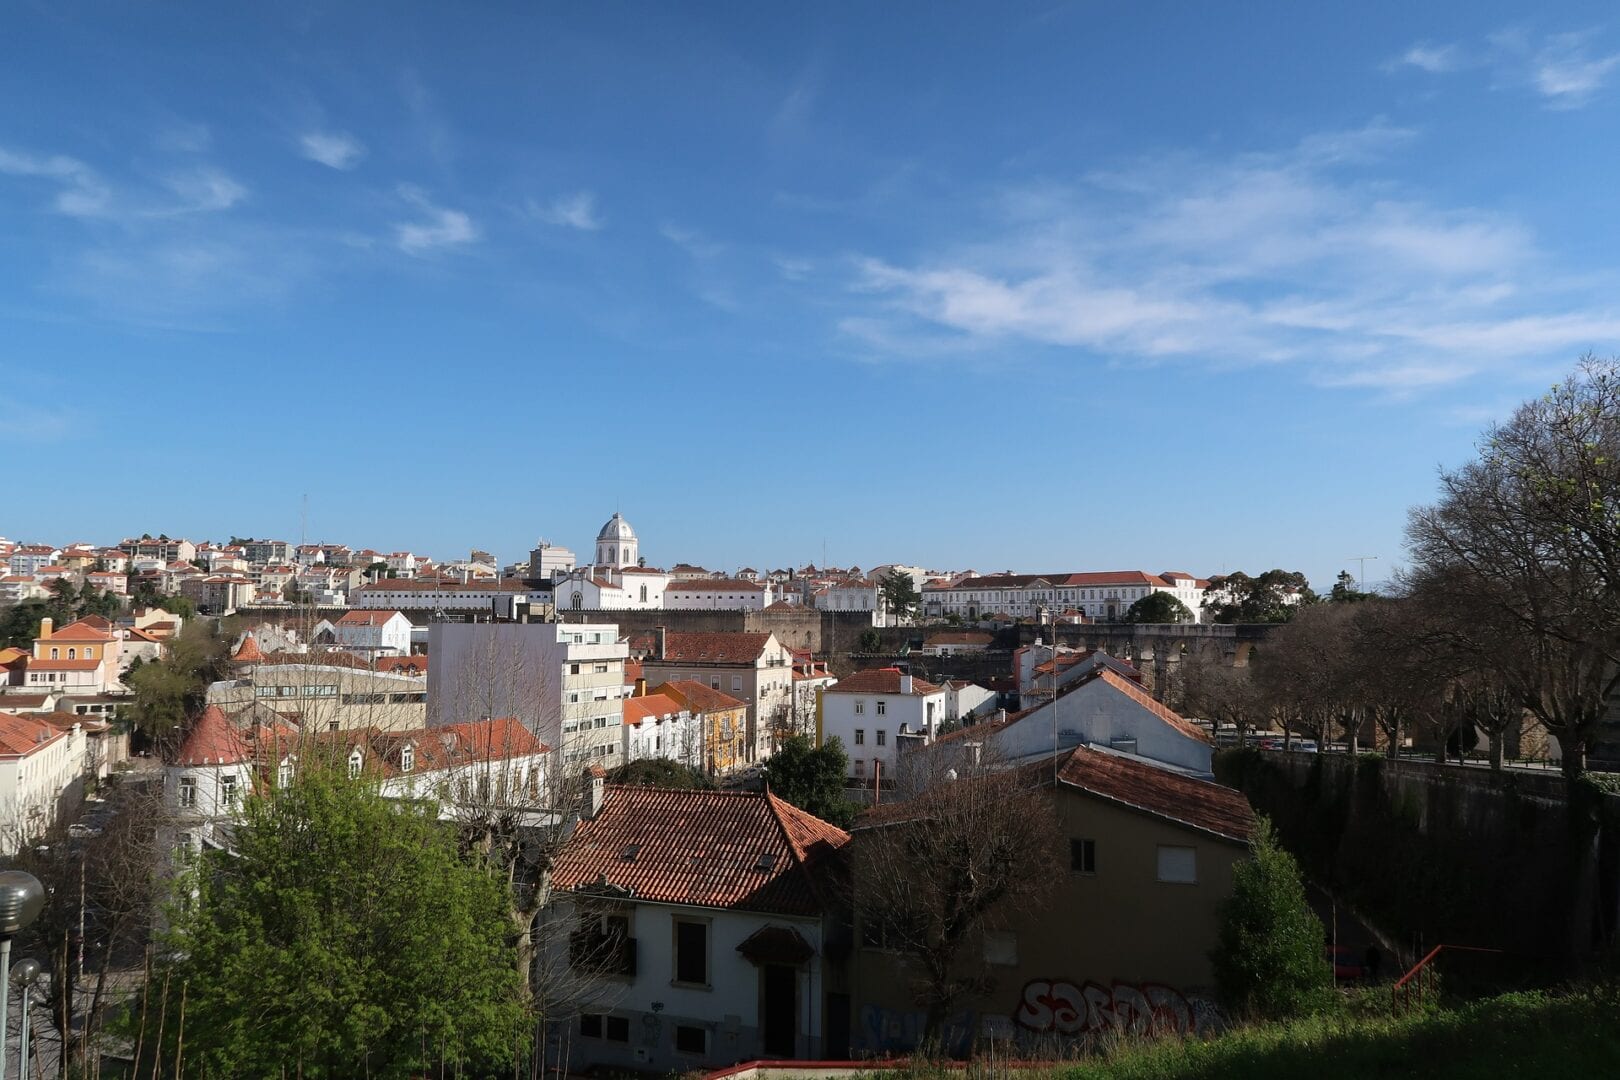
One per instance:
(1083, 856)
(691, 952)
(691, 1040)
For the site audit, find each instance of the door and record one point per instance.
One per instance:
(781, 1010)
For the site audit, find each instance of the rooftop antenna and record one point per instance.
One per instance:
(1363, 560)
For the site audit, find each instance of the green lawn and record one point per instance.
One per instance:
(1515, 1035)
(1527, 1034)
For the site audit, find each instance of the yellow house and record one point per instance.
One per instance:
(1120, 944)
(722, 719)
(82, 657)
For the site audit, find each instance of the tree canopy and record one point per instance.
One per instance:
(899, 594)
(1268, 958)
(345, 935)
(811, 777)
(1272, 597)
(168, 690)
(1158, 607)
(660, 773)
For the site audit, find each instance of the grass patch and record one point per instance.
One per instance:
(1526, 1034)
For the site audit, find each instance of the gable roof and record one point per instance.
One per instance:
(742, 850)
(717, 647)
(83, 630)
(248, 652)
(880, 681)
(699, 698)
(637, 709)
(1141, 785)
(367, 617)
(22, 735)
(1148, 702)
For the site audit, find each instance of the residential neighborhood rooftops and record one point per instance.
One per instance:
(1134, 782)
(718, 647)
(22, 735)
(637, 709)
(368, 617)
(719, 849)
(700, 698)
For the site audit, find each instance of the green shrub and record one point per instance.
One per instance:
(1269, 959)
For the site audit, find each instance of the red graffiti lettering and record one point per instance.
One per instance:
(1065, 1008)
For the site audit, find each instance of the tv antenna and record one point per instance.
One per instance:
(1363, 560)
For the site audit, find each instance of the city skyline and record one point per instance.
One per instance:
(1048, 287)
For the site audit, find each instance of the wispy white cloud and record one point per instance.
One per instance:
(202, 191)
(1262, 258)
(691, 241)
(1567, 74)
(1566, 70)
(1435, 59)
(334, 149)
(576, 211)
(438, 227)
(81, 192)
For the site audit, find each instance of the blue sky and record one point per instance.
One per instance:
(1047, 286)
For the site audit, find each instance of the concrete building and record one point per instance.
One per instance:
(564, 682)
(322, 692)
(722, 723)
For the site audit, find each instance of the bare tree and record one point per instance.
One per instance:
(963, 855)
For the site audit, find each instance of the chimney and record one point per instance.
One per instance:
(905, 684)
(595, 782)
(45, 625)
(662, 634)
(641, 686)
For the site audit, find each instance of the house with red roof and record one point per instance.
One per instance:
(702, 927)
(878, 715)
(658, 726)
(1120, 945)
(41, 767)
(83, 657)
(754, 668)
(367, 632)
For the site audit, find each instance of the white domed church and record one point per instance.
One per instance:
(616, 580)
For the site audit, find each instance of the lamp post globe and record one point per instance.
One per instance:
(21, 899)
(24, 972)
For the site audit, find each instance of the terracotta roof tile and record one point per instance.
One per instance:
(637, 709)
(719, 647)
(721, 849)
(699, 698)
(213, 740)
(248, 652)
(22, 735)
(880, 681)
(1137, 783)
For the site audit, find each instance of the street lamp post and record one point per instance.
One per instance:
(24, 975)
(21, 898)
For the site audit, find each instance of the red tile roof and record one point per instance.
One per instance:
(63, 665)
(718, 647)
(743, 850)
(248, 652)
(880, 681)
(212, 741)
(81, 631)
(416, 664)
(637, 709)
(1146, 700)
(1135, 782)
(367, 617)
(22, 735)
(699, 698)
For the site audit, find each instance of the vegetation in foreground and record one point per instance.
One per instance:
(1525, 1034)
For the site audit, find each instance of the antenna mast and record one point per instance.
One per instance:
(1363, 560)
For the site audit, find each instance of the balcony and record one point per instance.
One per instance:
(593, 952)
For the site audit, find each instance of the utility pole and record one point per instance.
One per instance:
(1363, 560)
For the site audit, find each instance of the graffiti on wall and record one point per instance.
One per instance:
(901, 1030)
(1052, 1006)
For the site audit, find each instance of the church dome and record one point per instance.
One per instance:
(616, 529)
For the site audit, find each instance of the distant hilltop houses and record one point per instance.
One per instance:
(220, 578)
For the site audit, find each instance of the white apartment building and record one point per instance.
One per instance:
(38, 763)
(29, 560)
(873, 712)
(565, 682)
(1101, 597)
(368, 632)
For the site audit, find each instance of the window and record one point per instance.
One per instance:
(1178, 865)
(1083, 856)
(883, 708)
(56, 654)
(599, 669)
(860, 708)
(573, 669)
(1001, 947)
(354, 765)
(860, 736)
(860, 766)
(882, 737)
(736, 683)
(227, 791)
(188, 792)
(714, 682)
(407, 759)
(691, 1040)
(692, 952)
(73, 654)
(284, 773)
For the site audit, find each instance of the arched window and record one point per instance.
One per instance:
(73, 654)
(578, 601)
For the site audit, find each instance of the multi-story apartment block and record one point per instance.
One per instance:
(162, 549)
(757, 669)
